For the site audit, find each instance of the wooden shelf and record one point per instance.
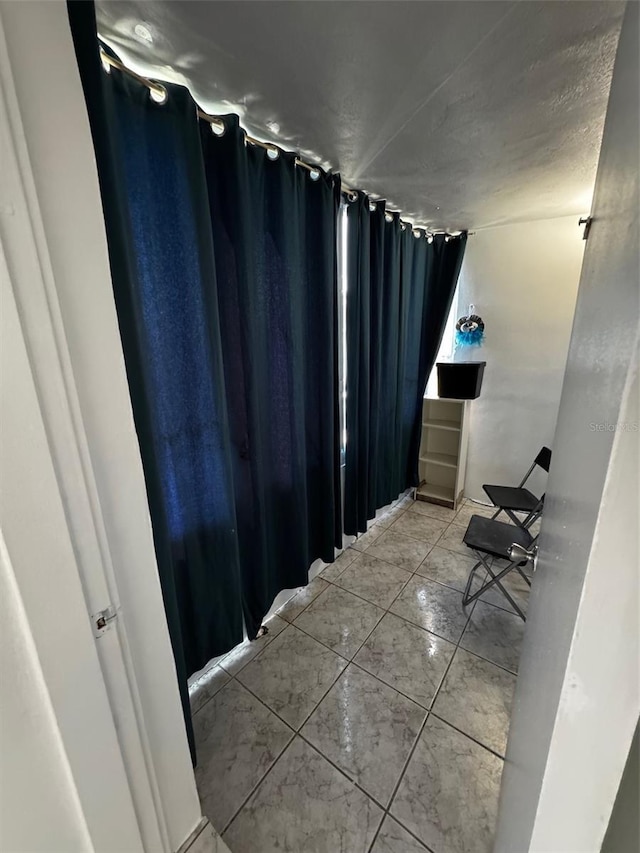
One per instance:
(431, 490)
(443, 451)
(454, 426)
(445, 459)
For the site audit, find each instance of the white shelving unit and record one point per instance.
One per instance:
(443, 451)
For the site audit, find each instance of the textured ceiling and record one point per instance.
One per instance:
(460, 114)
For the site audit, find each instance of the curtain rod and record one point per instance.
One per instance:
(160, 93)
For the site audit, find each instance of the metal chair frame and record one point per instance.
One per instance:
(486, 559)
(487, 562)
(536, 512)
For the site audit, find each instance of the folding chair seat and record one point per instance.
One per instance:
(490, 540)
(513, 499)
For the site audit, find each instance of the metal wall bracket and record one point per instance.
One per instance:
(586, 221)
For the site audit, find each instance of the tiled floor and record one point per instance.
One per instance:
(373, 717)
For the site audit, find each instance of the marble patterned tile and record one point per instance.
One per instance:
(367, 729)
(246, 651)
(419, 526)
(340, 620)
(475, 697)
(407, 658)
(377, 581)
(442, 513)
(446, 567)
(305, 805)
(448, 796)
(402, 551)
(394, 838)
(495, 635)
(451, 539)
(292, 675)
(207, 686)
(297, 603)
(435, 607)
(365, 539)
(335, 569)
(208, 841)
(237, 740)
(468, 509)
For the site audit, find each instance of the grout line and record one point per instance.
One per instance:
(467, 735)
(419, 735)
(373, 557)
(341, 770)
(257, 785)
(487, 660)
(197, 711)
(333, 583)
(198, 832)
(392, 687)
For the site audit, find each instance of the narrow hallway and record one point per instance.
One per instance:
(374, 714)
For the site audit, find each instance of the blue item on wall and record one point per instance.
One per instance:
(469, 330)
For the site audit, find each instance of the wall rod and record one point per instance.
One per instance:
(160, 91)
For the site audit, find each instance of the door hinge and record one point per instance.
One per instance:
(103, 620)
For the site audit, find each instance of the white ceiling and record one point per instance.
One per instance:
(460, 114)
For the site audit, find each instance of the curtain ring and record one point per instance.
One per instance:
(272, 152)
(218, 127)
(106, 65)
(314, 174)
(158, 94)
(388, 217)
(352, 195)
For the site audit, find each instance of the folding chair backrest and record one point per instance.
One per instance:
(543, 459)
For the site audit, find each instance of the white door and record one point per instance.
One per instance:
(577, 697)
(63, 781)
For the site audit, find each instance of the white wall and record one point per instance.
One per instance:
(577, 697)
(523, 281)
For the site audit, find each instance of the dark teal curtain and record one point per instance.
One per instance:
(399, 292)
(274, 230)
(225, 287)
(161, 254)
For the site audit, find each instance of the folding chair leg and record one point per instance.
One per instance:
(472, 574)
(495, 580)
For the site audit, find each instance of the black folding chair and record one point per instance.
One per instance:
(513, 499)
(490, 540)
